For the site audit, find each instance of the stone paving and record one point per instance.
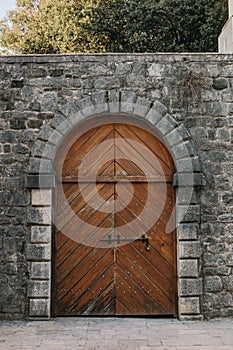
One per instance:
(117, 333)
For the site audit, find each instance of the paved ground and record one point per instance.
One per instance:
(120, 333)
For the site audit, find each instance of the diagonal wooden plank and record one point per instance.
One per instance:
(139, 204)
(138, 263)
(139, 303)
(73, 159)
(147, 160)
(140, 281)
(149, 141)
(104, 305)
(95, 159)
(156, 256)
(84, 275)
(80, 208)
(121, 309)
(90, 297)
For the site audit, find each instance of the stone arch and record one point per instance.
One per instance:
(188, 175)
(174, 135)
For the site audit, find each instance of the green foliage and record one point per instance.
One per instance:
(162, 25)
(72, 26)
(47, 26)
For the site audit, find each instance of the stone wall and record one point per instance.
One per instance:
(38, 93)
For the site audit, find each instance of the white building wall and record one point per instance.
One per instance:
(225, 39)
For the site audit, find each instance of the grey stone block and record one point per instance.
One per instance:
(45, 132)
(39, 308)
(220, 83)
(213, 284)
(85, 106)
(41, 197)
(41, 234)
(218, 109)
(228, 283)
(43, 149)
(75, 118)
(49, 102)
(189, 287)
(20, 199)
(36, 72)
(156, 70)
(114, 101)
(188, 213)
(190, 306)
(166, 124)
(59, 122)
(40, 165)
(187, 165)
(17, 124)
(227, 95)
(39, 216)
(188, 268)
(49, 151)
(127, 102)
(40, 270)
(183, 150)
(38, 252)
(38, 289)
(188, 180)
(229, 260)
(4, 198)
(40, 181)
(173, 137)
(141, 107)
(8, 136)
(68, 108)
(160, 108)
(185, 197)
(100, 101)
(189, 249)
(153, 116)
(34, 123)
(14, 183)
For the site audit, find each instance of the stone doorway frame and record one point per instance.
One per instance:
(41, 180)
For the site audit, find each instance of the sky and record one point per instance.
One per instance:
(6, 5)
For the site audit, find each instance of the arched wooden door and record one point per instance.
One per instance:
(113, 204)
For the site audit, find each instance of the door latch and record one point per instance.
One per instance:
(118, 239)
(145, 240)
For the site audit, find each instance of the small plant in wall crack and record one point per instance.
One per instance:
(192, 85)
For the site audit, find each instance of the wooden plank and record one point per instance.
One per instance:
(151, 142)
(140, 201)
(130, 293)
(80, 207)
(144, 158)
(116, 178)
(135, 261)
(156, 256)
(98, 294)
(137, 272)
(73, 160)
(80, 279)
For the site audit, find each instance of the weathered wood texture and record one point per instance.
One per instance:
(122, 278)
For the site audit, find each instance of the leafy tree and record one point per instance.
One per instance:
(159, 25)
(71, 26)
(47, 26)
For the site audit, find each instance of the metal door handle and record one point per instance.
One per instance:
(145, 240)
(118, 239)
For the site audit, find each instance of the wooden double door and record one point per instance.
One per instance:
(115, 244)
